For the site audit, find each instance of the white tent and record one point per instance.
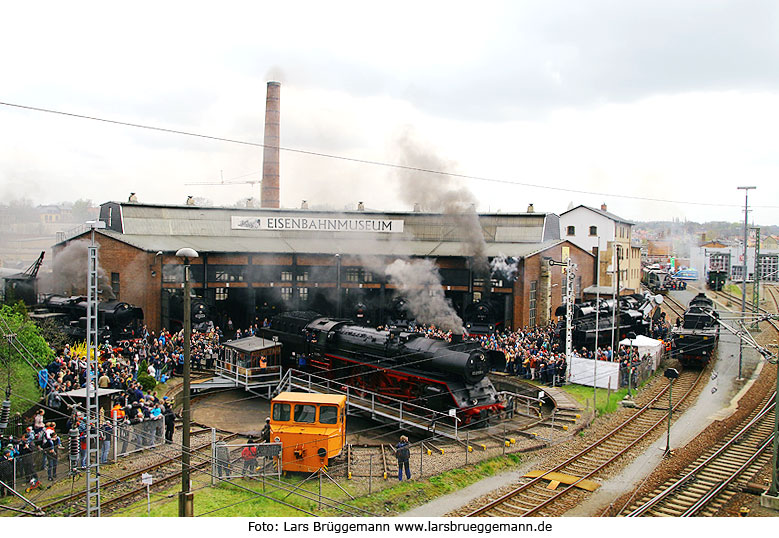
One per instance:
(646, 345)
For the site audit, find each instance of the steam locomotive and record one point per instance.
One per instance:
(398, 364)
(695, 339)
(632, 315)
(115, 320)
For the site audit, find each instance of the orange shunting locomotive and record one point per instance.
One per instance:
(310, 427)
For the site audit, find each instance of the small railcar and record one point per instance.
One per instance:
(310, 427)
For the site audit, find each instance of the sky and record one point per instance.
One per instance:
(547, 102)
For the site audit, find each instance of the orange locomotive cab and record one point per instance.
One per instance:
(310, 427)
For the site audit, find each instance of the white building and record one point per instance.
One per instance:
(584, 226)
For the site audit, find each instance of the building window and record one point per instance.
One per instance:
(286, 294)
(228, 273)
(115, 284)
(571, 230)
(286, 276)
(221, 294)
(353, 274)
(303, 277)
(533, 288)
(303, 294)
(593, 230)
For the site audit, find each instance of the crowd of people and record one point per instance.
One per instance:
(142, 419)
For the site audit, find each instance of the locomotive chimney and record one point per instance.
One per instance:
(270, 154)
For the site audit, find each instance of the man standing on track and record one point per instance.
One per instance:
(403, 454)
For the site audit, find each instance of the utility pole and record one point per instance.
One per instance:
(570, 268)
(93, 407)
(756, 280)
(744, 276)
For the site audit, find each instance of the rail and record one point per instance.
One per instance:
(654, 501)
(579, 455)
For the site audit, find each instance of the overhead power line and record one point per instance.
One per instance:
(372, 162)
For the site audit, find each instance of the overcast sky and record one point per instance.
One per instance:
(673, 100)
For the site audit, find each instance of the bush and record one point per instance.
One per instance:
(147, 382)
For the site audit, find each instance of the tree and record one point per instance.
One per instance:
(81, 210)
(21, 360)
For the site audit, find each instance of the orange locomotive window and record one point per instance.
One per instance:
(305, 413)
(281, 411)
(328, 414)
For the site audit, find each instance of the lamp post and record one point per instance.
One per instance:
(186, 496)
(338, 284)
(670, 374)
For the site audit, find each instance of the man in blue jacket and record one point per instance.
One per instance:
(403, 454)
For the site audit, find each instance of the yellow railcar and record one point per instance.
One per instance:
(310, 427)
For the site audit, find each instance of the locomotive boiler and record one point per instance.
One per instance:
(394, 363)
(115, 320)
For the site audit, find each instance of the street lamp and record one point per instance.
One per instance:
(670, 374)
(338, 285)
(186, 496)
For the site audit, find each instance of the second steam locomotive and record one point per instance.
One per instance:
(396, 364)
(694, 340)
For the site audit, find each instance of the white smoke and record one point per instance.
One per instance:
(70, 270)
(419, 282)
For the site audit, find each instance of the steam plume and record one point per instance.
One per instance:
(71, 265)
(420, 283)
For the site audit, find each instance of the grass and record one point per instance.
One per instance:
(583, 395)
(228, 500)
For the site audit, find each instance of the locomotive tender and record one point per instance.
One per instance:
(402, 365)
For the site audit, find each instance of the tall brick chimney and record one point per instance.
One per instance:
(270, 154)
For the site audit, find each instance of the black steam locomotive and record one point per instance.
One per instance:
(397, 364)
(115, 320)
(483, 317)
(629, 313)
(695, 340)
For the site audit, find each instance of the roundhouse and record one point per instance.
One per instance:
(257, 262)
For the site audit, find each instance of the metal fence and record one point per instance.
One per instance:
(128, 438)
(229, 460)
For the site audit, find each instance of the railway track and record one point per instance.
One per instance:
(124, 488)
(714, 478)
(540, 496)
